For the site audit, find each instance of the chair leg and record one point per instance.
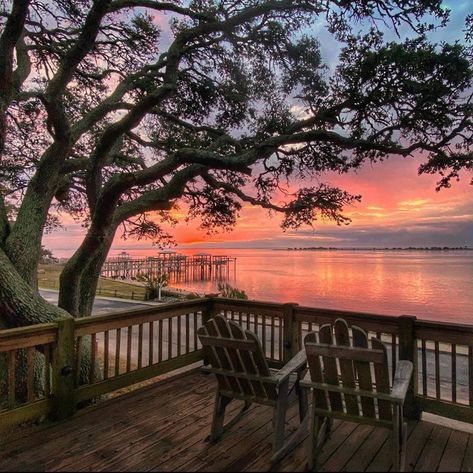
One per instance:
(279, 417)
(396, 436)
(221, 402)
(303, 403)
(313, 445)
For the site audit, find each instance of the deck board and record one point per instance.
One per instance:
(163, 427)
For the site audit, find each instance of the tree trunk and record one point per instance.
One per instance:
(20, 304)
(23, 244)
(80, 276)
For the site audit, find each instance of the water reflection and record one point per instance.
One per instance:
(434, 285)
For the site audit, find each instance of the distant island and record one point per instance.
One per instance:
(409, 248)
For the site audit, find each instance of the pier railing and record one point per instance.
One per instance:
(50, 370)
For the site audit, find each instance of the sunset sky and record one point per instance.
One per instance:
(398, 207)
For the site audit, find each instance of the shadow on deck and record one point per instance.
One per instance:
(163, 428)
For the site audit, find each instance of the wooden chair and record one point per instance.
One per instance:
(237, 359)
(350, 381)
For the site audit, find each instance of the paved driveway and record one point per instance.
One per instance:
(101, 305)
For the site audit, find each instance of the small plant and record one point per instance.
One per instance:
(154, 283)
(226, 290)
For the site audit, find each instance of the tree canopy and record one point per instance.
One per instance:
(111, 110)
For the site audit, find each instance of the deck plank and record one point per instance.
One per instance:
(433, 451)
(347, 449)
(163, 428)
(467, 464)
(454, 453)
(368, 450)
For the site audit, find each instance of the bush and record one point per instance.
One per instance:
(226, 290)
(154, 283)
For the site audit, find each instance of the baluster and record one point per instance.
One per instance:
(454, 373)
(179, 335)
(195, 330)
(281, 337)
(393, 354)
(470, 374)
(78, 360)
(129, 340)
(160, 341)
(11, 379)
(140, 346)
(105, 351)
(437, 370)
(93, 357)
(30, 375)
(151, 344)
(263, 323)
(424, 369)
(169, 339)
(47, 370)
(187, 333)
(117, 350)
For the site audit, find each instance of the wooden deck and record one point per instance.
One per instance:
(163, 428)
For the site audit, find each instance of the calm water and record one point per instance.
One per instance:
(431, 285)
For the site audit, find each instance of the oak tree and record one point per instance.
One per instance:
(117, 111)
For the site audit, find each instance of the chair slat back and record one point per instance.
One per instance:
(344, 359)
(229, 347)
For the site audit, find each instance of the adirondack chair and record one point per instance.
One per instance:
(350, 381)
(237, 359)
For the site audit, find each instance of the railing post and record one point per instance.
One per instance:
(408, 351)
(62, 375)
(291, 341)
(209, 311)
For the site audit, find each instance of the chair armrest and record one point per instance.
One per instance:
(295, 364)
(401, 382)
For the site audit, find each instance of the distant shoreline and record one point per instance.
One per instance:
(410, 248)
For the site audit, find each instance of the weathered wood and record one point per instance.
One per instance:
(30, 375)
(170, 338)
(26, 413)
(447, 409)
(363, 370)
(102, 323)
(93, 357)
(163, 427)
(106, 354)
(329, 365)
(408, 351)
(237, 356)
(129, 340)
(216, 341)
(291, 342)
(24, 337)
(347, 353)
(454, 373)
(151, 344)
(335, 346)
(437, 370)
(85, 393)
(382, 381)
(11, 379)
(342, 338)
(63, 362)
(118, 337)
(140, 346)
(424, 368)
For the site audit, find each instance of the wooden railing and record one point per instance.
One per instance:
(126, 348)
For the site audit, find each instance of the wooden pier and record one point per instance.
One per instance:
(178, 267)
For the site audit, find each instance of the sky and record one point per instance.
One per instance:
(399, 208)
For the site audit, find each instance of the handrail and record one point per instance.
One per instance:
(25, 337)
(442, 353)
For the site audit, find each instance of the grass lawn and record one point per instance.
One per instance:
(48, 278)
